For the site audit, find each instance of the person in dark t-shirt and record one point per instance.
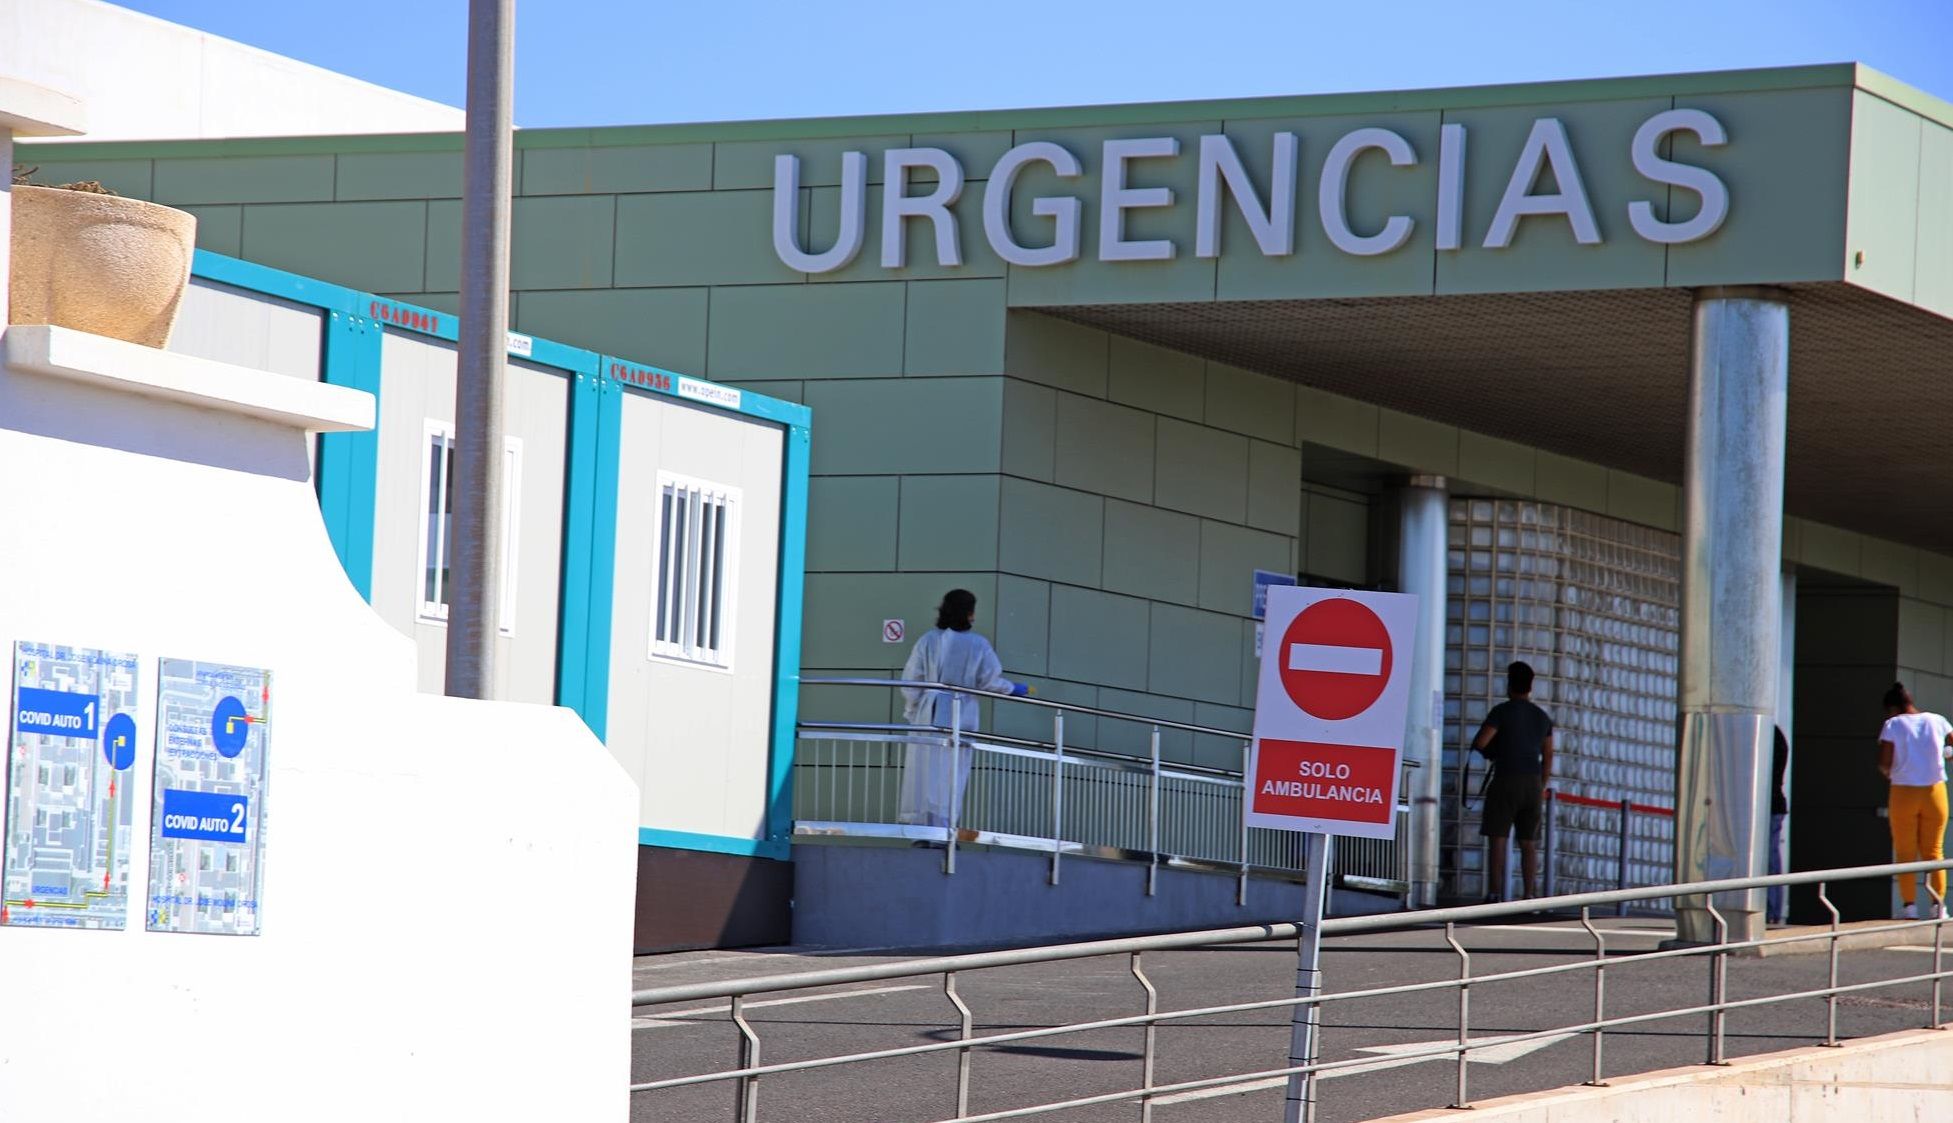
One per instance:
(1517, 738)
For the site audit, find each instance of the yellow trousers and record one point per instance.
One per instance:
(1918, 832)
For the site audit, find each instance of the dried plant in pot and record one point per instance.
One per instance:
(88, 259)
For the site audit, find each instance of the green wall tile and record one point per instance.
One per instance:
(1202, 471)
(1056, 353)
(1333, 420)
(1641, 500)
(1828, 548)
(1337, 538)
(1787, 197)
(1220, 752)
(1882, 222)
(1274, 487)
(699, 238)
(1250, 403)
(1023, 622)
(398, 175)
(623, 168)
(449, 302)
(1051, 532)
(1136, 737)
(1033, 723)
(1030, 430)
(954, 327)
(1417, 442)
(560, 242)
(1166, 382)
(376, 247)
(1104, 448)
(1936, 578)
(1376, 191)
(1544, 255)
(1151, 553)
(1250, 662)
(1194, 654)
(1922, 635)
(219, 229)
(1570, 482)
(1933, 262)
(1890, 563)
(244, 179)
(844, 614)
(853, 705)
(949, 522)
(786, 391)
(976, 151)
(1089, 280)
(133, 178)
(1229, 555)
(749, 164)
(663, 327)
(878, 427)
(851, 524)
(1098, 638)
(1491, 462)
(813, 331)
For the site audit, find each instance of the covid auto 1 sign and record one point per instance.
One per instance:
(1329, 711)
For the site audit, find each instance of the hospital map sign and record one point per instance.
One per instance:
(1329, 711)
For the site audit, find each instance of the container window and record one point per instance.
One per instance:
(697, 558)
(437, 505)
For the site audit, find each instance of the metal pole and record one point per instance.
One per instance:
(1057, 790)
(1153, 820)
(1546, 872)
(1300, 1106)
(475, 516)
(1247, 797)
(951, 774)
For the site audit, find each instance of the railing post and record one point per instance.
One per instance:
(1464, 1008)
(1621, 873)
(1831, 996)
(1600, 991)
(1152, 1032)
(1546, 874)
(1718, 980)
(1939, 929)
(1247, 796)
(1057, 792)
(962, 1055)
(950, 775)
(746, 1090)
(1153, 831)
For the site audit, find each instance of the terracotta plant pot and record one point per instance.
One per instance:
(99, 263)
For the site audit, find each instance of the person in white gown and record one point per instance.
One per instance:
(953, 654)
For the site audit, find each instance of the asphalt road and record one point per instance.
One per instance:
(698, 1038)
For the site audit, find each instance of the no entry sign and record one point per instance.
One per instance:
(1329, 711)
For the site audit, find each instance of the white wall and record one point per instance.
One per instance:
(250, 329)
(417, 376)
(142, 78)
(446, 922)
(695, 739)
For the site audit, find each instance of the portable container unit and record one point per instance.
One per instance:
(652, 567)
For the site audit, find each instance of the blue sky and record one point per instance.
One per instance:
(609, 62)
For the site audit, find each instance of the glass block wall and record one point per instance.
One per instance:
(1594, 605)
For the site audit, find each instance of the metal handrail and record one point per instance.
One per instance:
(1044, 703)
(904, 731)
(1255, 933)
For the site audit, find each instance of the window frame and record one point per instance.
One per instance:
(727, 503)
(435, 611)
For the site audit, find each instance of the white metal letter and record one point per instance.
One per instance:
(1545, 146)
(898, 205)
(1335, 187)
(786, 214)
(1274, 226)
(1451, 186)
(1115, 199)
(1650, 163)
(1063, 210)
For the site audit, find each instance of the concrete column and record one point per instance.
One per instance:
(1732, 593)
(1421, 569)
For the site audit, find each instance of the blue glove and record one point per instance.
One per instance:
(1020, 689)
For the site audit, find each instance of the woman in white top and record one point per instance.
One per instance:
(1912, 752)
(954, 655)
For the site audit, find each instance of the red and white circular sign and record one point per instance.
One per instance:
(1335, 659)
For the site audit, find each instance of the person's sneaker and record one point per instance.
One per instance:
(1910, 912)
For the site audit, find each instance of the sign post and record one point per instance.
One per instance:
(1328, 738)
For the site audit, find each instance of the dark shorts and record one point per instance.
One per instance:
(1512, 804)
